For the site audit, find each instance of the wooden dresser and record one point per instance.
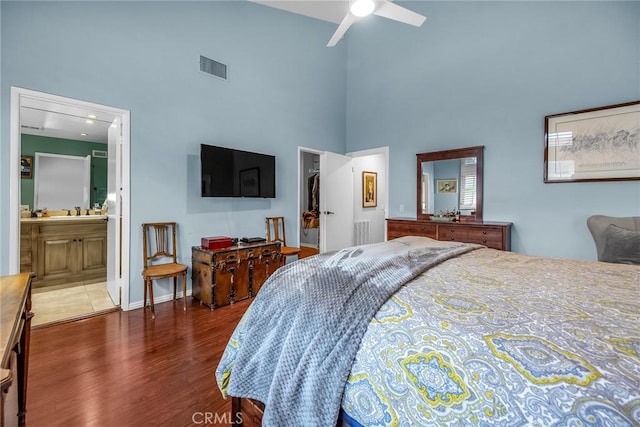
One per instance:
(496, 235)
(15, 333)
(224, 276)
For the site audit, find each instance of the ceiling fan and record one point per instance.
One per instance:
(384, 8)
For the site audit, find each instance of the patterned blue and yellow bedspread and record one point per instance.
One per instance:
(494, 338)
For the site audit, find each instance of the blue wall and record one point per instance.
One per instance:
(476, 73)
(285, 90)
(486, 73)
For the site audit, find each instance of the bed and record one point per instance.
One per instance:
(421, 332)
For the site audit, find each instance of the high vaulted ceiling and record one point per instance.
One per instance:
(326, 10)
(66, 122)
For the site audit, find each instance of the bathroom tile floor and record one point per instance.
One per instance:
(69, 303)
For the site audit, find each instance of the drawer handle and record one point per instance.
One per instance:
(484, 240)
(484, 231)
(452, 230)
(452, 238)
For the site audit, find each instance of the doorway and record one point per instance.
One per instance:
(341, 211)
(309, 203)
(117, 192)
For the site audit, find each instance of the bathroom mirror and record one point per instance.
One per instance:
(450, 180)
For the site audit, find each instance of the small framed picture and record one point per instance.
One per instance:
(447, 186)
(26, 167)
(369, 189)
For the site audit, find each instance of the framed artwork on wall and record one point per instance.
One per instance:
(369, 189)
(447, 186)
(26, 167)
(599, 144)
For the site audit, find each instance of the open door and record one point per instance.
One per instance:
(114, 211)
(336, 201)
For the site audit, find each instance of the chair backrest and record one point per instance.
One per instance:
(158, 242)
(598, 224)
(275, 229)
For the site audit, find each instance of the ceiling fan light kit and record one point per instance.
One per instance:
(384, 8)
(362, 8)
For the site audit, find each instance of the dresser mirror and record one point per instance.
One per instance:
(450, 181)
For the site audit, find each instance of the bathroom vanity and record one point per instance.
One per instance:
(64, 250)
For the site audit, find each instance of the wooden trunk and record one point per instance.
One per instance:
(224, 276)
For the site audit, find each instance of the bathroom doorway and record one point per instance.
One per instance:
(68, 113)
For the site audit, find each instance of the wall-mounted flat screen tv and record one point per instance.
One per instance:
(226, 172)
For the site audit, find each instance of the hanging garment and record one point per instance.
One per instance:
(311, 217)
(313, 193)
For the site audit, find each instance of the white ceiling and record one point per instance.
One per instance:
(63, 121)
(326, 10)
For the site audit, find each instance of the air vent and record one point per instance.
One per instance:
(31, 127)
(99, 153)
(212, 67)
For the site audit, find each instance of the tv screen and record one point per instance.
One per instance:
(226, 172)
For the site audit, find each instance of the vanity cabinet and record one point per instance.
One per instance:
(496, 235)
(224, 276)
(66, 252)
(26, 246)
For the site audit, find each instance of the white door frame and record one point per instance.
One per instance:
(17, 94)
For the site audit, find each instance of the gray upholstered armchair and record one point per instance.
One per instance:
(617, 239)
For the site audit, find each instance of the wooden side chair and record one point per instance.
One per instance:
(276, 233)
(160, 259)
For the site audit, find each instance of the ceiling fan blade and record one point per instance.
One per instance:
(342, 28)
(389, 10)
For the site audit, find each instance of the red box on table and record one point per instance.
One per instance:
(215, 242)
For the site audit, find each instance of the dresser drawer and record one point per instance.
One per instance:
(495, 235)
(410, 228)
(485, 235)
(454, 233)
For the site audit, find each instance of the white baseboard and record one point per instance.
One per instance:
(158, 300)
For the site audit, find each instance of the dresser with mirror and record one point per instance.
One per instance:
(449, 201)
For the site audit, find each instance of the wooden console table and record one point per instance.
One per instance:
(15, 333)
(224, 276)
(496, 235)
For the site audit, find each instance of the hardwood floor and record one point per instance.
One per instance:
(306, 251)
(126, 369)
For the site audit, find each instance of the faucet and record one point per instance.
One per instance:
(77, 208)
(68, 212)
